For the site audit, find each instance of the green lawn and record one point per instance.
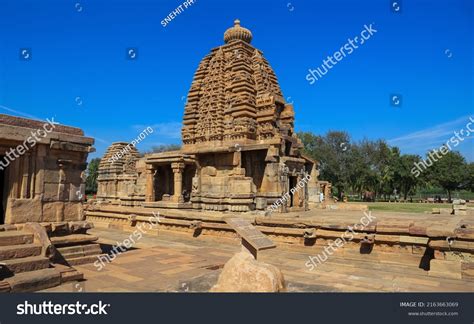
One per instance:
(405, 207)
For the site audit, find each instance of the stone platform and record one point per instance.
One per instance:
(394, 252)
(178, 262)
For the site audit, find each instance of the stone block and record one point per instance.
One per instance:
(15, 238)
(242, 273)
(260, 203)
(80, 226)
(209, 171)
(73, 211)
(53, 212)
(19, 251)
(34, 280)
(41, 236)
(23, 210)
(445, 269)
(467, 270)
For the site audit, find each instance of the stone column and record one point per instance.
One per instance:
(178, 182)
(40, 171)
(25, 181)
(150, 183)
(62, 183)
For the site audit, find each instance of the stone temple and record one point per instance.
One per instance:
(239, 157)
(239, 152)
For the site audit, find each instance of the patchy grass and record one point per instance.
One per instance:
(405, 207)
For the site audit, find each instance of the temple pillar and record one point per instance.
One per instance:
(178, 182)
(25, 181)
(150, 183)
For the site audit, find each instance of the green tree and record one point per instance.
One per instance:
(405, 181)
(164, 148)
(448, 171)
(92, 173)
(377, 157)
(332, 153)
(470, 176)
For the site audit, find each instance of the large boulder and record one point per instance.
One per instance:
(242, 273)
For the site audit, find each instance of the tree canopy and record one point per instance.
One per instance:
(376, 167)
(92, 173)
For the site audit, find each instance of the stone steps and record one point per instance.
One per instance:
(83, 259)
(19, 251)
(14, 266)
(73, 239)
(15, 238)
(68, 273)
(34, 280)
(23, 268)
(76, 249)
(80, 250)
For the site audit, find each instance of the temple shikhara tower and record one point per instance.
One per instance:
(239, 149)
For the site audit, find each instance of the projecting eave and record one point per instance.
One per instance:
(307, 158)
(21, 134)
(169, 157)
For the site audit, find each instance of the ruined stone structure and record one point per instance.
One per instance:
(41, 171)
(42, 188)
(239, 150)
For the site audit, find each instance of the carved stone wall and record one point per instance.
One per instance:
(235, 95)
(46, 182)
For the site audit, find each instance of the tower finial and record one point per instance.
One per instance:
(237, 33)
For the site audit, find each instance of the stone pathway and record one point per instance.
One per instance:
(177, 262)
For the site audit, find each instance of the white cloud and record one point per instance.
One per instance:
(21, 113)
(440, 132)
(421, 141)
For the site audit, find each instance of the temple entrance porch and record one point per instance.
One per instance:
(169, 180)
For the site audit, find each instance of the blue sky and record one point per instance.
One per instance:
(79, 72)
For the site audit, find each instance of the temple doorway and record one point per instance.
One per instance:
(254, 164)
(292, 184)
(164, 183)
(188, 174)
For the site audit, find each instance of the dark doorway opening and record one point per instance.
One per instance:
(287, 148)
(164, 183)
(254, 164)
(292, 184)
(2, 193)
(188, 174)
